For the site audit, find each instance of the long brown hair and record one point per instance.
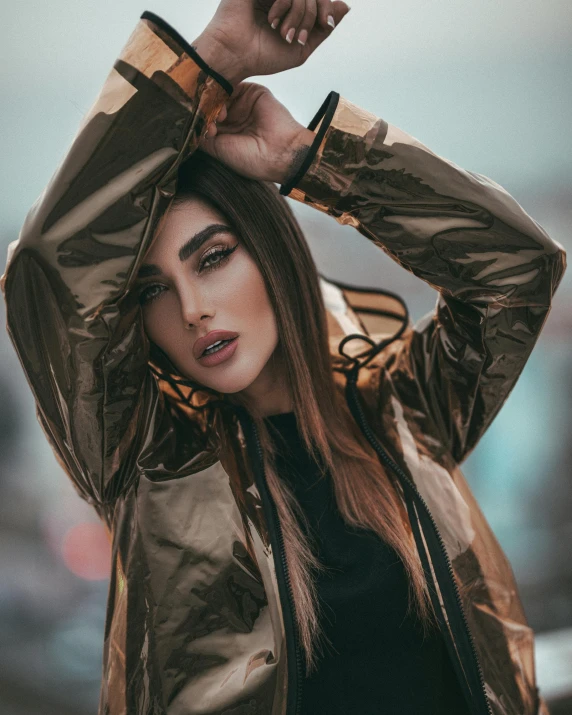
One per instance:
(365, 495)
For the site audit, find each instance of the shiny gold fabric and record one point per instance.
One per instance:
(195, 623)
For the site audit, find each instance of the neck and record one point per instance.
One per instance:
(269, 394)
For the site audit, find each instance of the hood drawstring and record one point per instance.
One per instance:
(370, 353)
(160, 357)
(174, 382)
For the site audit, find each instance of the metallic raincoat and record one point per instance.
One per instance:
(200, 618)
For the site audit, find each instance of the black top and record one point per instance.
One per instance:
(379, 662)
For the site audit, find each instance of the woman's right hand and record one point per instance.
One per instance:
(239, 41)
(257, 136)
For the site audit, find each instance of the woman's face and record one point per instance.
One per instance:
(196, 278)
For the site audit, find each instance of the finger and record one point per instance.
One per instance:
(277, 12)
(211, 130)
(331, 13)
(292, 20)
(222, 114)
(340, 10)
(208, 145)
(325, 10)
(308, 21)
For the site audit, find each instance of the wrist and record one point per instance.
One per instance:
(295, 155)
(213, 51)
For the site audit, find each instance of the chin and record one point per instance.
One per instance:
(228, 378)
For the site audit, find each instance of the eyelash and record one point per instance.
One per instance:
(224, 254)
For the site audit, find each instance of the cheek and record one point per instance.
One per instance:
(246, 308)
(245, 294)
(162, 322)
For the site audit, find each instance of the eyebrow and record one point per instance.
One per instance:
(187, 249)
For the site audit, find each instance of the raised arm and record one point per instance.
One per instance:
(75, 324)
(81, 344)
(495, 268)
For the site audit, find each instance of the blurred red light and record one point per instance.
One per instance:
(86, 551)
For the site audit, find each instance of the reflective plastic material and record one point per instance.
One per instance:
(433, 392)
(195, 623)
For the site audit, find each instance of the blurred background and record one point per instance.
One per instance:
(486, 85)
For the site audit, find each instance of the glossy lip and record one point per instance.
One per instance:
(202, 343)
(220, 355)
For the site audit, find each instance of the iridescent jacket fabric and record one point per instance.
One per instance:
(199, 620)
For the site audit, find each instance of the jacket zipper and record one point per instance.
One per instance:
(390, 463)
(284, 565)
(293, 631)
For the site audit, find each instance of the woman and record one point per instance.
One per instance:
(291, 530)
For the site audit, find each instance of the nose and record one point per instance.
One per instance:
(195, 307)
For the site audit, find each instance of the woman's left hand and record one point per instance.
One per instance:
(256, 135)
(239, 42)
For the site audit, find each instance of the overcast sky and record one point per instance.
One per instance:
(485, 84)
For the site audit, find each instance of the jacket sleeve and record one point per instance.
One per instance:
(70, 314)
(494, 267)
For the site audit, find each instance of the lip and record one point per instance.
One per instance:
(202, 343)
(220, 355)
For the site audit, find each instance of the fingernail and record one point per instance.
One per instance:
(274, 24)
(290, 34)
(331, 22)
(303, 36)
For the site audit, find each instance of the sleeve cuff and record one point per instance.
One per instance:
(326, 114)
(193, 54)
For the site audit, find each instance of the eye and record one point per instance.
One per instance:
(212, 260)
(148, 294)
(215, 258)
